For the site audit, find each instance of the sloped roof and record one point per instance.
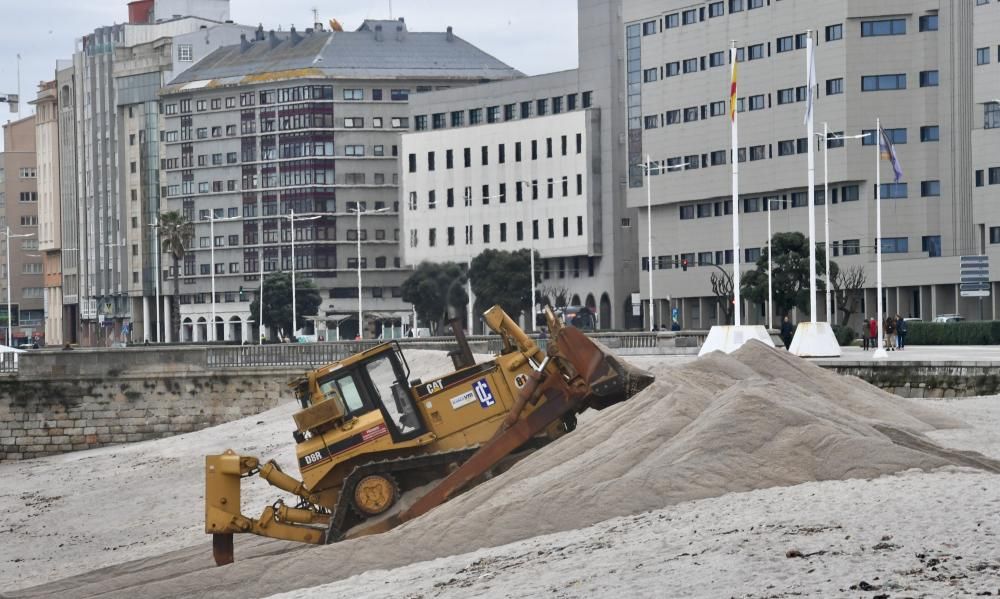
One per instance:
(349, 54)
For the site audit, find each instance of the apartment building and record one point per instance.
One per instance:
(18, 177)
(911, 64)
(536, 162)
(49, 209)
(301, 130)
(115, 78)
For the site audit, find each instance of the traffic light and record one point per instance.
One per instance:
(243, 295)
(684, 264)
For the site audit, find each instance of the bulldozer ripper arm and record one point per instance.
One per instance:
(223, 476)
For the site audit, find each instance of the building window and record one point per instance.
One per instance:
(437, 120)
(883, 27)
(786, 147)
(691, 65)
(785, 44)
(185, 52)
(758, 152)
(735, 5)
(871, 83)
(716, 9)
(895, 245)
(928, 78)
(896, 136)
(649, 28)
(716, 59)
(929, 23)
(757, 102)
(930, 189)
(458, 118)
(354, 94)
(991, 115)
(475, 116)
(982, 56)
(400, 122)
(834, 86)
(689, 17)
(687, 212)
(755, 52)
(671, 21)
(649, 75)
(834, 32)
(690, 114)
(893, 191)
(929, 133)
(399, 95)
(786, 96)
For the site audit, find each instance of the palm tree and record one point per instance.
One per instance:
(176, 232)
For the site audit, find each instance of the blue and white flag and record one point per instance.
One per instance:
(888, 152)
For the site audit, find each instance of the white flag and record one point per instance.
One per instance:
(810, 79)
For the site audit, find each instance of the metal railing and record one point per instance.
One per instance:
(8, 362)
(286, 354)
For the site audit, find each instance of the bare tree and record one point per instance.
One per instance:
(557, 293)
(848, 285)
(722, 287)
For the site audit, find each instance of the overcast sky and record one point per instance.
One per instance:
(529, 35)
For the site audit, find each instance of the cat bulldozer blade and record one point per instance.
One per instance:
(366, 433)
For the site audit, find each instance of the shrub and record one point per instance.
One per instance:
(985, 332)
(845, 335)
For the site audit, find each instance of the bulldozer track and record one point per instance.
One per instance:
(335, 533)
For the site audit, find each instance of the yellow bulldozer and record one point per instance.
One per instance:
(366, 433)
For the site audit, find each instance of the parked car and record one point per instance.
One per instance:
(581, 317)
(948, 318)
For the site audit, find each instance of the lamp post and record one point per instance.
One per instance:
(10, 316)
(826, 206)
(358, 212)
(211, 227)
(155, 225)
(770, 288)
(649, 229)
(291, 219)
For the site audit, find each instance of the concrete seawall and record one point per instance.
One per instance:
(68, 401)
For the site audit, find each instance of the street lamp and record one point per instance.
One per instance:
(155, 225)
(211, 227)
(770, 289)
(357, 211)
(649, 228)
(10, 316)
(826, 206)
(291, 219)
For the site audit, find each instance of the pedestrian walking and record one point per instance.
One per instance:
(890, 333)
(786, 332)
(900, 332)
(864, 334)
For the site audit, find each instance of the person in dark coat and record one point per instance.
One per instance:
(786, 332)
(889, 328)
(900, 332)
(864, 334)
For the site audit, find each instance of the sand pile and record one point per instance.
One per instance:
(757, 419)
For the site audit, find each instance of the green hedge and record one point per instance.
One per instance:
(985, 332)
(845, 335)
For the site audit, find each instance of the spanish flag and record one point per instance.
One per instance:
(732, 89)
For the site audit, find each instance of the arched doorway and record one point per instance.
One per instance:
(201, 330)
(236, 329)
(220, 329)
(605, 315)
(187, 331)
(575, 301)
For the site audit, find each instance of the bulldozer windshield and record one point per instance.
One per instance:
(393, 397)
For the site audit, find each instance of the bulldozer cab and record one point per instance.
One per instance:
(376, 381)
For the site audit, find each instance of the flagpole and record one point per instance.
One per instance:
(810, 136)
(880, 351)
(826, 218)
(737, 320)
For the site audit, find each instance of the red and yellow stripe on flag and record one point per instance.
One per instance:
(732, 91)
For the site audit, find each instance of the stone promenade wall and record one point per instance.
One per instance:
(69, 401)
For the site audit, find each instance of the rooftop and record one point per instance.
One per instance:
(376, 50)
